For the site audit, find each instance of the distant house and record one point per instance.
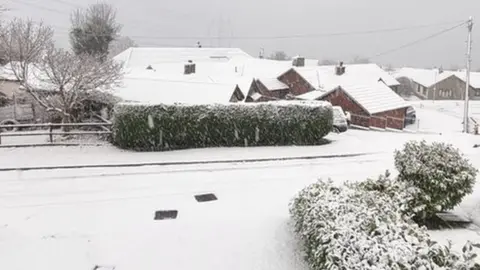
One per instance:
(436, 84)
(9, 84)
(474, 83)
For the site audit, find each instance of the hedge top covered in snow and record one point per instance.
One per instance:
(279, 103)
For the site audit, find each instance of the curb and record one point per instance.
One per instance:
(175, 163)
(48, 144)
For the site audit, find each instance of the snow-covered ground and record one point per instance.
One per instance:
(443, 116)
(75, 219)
(78, 218)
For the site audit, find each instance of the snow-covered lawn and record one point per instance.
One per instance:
(75, 219)
(443, 116)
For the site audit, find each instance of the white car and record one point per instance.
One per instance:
(339, 120)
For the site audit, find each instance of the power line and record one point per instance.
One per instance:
(39, 6)
(419, 40)
(318, 35)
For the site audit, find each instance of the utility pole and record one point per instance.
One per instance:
(435, 85)
(469, 61)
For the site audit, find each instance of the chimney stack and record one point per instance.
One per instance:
(189, 68)
(298, 61)
(339, 69)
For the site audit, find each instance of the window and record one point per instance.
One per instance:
(445, 93)
(477, 93)
(424, 91)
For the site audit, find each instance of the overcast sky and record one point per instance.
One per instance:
(156, 22)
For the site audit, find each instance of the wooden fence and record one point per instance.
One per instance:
(51, 131)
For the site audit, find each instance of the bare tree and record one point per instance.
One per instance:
(93, 29)
(76, 78)
(58, 80)
(23, 44)
(278, 55)
(120, 44)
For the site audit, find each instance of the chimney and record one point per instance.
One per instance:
(298, 61)
(339, 69)
(149, 67)
(189, 68)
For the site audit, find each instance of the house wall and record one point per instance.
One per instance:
(237, 95)
(390, 119)
(280, 93)
(262, 89)
(475, 95)
(452, 88)
(297, 84)
(9, 87)
(358, 115)
(395, 88)
(276, 94)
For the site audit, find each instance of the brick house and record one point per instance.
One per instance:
(370, 104)
(297, 84)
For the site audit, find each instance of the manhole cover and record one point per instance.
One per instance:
(206, 197)
(100, 267)
(166, 214)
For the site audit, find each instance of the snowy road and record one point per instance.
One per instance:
(76, 219)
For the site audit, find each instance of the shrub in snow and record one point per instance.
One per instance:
(166, 127)
(349, 227)
(442, 174)
(402, 193)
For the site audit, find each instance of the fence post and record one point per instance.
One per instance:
(51, 129)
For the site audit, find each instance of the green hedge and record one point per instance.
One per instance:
(167, 127)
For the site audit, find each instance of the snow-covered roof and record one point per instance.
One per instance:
(312, 95)
(324, 77)
(259, 68)
(273, 84)
(425, 77)
(142, 57)
(36, 77)
(156, 91)
(374, 97)
(6, 73)
(474, 78)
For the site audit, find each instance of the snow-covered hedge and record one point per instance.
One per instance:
(167, 127)
(441, 173)
(349, 227)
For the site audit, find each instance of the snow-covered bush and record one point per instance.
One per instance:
(404, 194)
(349, 227)
(442, 174)
(167, 127)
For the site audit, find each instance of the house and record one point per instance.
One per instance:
(435, 84)
(302, 79)
(249, 75)
(9, 84)
(365, 91)
(371, 104)
(474, 83)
